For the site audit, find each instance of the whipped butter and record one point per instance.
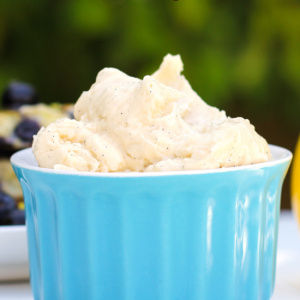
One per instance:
(155, 124)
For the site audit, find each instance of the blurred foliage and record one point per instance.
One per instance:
(242, 53)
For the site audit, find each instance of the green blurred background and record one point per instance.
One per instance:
(241, 56)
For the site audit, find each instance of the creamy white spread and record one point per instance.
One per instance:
(155, 124)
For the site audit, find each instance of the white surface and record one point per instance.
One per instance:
(15, 291)
(288, 267)
(13, 253)
(287, 285)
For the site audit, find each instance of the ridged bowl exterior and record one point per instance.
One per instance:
(210, 236)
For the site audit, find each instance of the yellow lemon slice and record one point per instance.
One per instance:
(295, 182)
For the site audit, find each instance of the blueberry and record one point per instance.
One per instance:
(17, 217)
(17, 94)
(71, 115)
(27, 129)
(6, 148)
(7, 205)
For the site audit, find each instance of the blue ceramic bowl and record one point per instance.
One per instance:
(190, 235)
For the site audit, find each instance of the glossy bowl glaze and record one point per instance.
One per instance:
(209, 235)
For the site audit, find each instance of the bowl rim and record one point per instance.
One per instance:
(18, 160)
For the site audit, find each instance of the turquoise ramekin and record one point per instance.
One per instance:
(190, 235)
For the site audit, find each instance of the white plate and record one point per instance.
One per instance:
(13, 253)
